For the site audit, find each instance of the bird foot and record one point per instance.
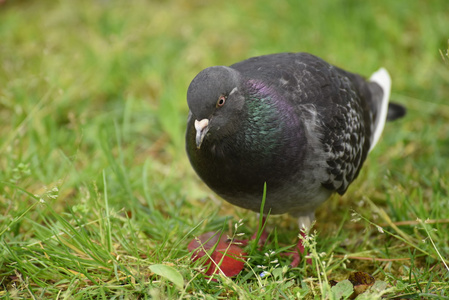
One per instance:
(298, 254)
(296, 258)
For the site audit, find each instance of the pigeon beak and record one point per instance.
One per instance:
(201, 127)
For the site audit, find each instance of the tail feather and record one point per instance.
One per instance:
(395, 111)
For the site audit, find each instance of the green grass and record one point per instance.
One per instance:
(96, 191)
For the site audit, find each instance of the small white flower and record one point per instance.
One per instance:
(380, 229)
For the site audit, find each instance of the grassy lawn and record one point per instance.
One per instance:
(97, 197)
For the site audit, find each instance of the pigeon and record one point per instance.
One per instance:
(291, 121)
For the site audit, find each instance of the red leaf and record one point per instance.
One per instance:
(229, 257)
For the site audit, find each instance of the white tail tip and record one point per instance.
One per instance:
(382, 78)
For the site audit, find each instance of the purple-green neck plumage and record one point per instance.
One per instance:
(265, 122)
(262, 112)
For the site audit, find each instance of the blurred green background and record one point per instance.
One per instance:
(93, 112)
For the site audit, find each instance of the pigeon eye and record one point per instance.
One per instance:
(221, 101)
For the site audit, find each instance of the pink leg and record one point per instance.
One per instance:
(296, 255)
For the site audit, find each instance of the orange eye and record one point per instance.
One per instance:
(221, 101)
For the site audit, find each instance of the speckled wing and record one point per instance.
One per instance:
(347, 132)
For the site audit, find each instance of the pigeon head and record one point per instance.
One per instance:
(215, 101)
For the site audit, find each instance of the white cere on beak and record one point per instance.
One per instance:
(201, 127)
